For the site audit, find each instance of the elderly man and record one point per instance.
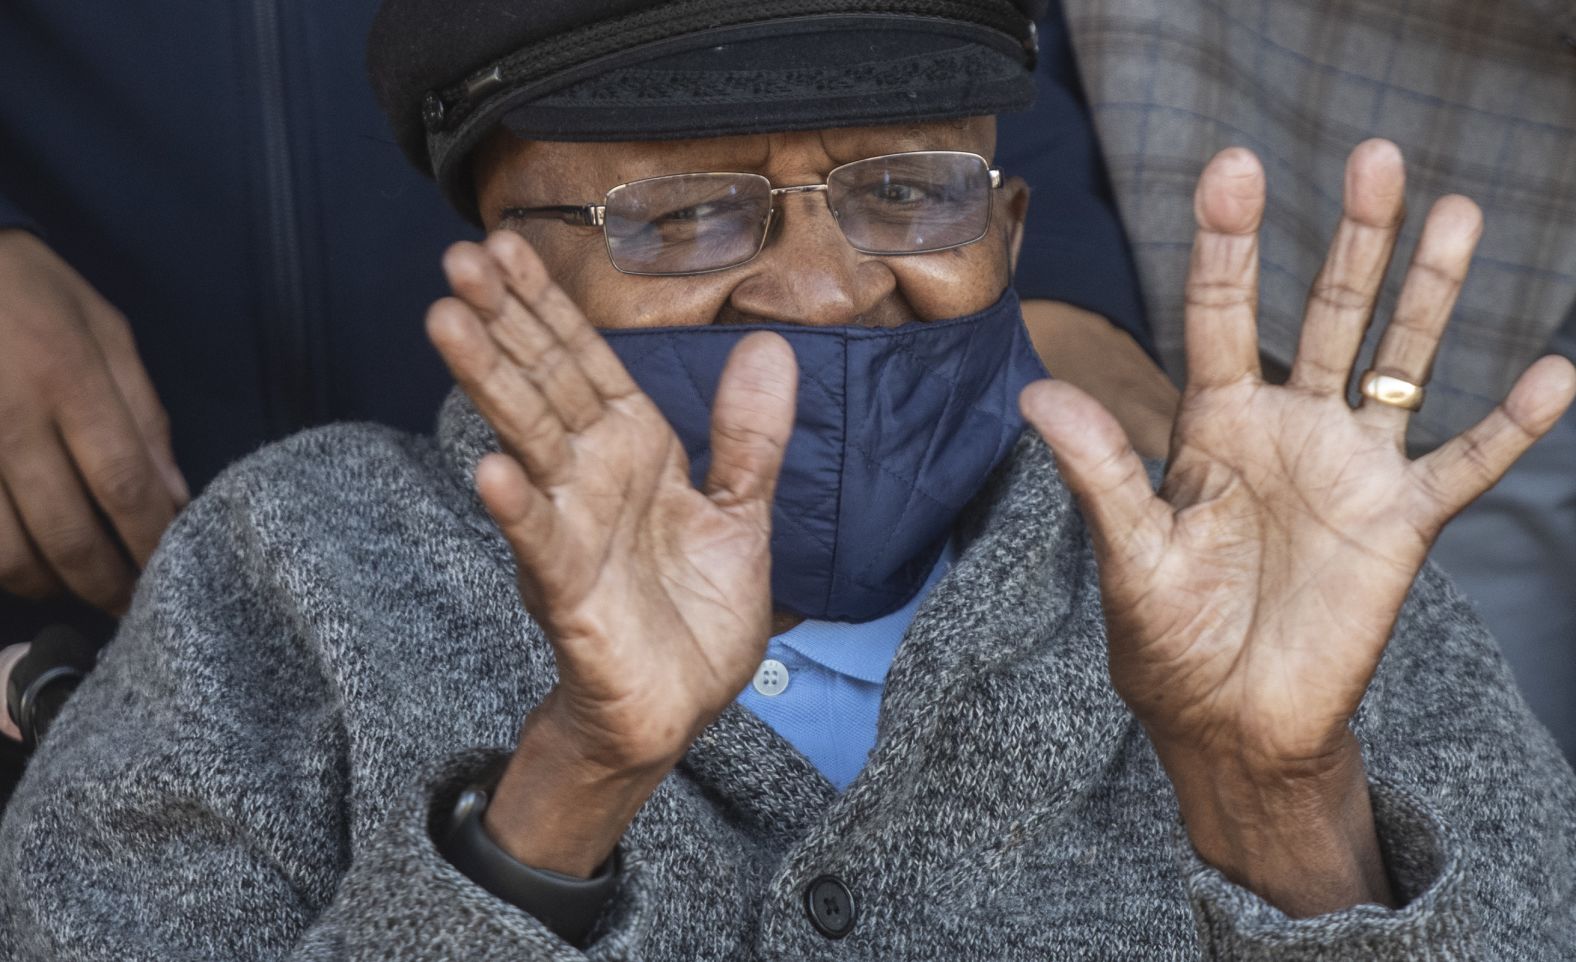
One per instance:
(741, 380)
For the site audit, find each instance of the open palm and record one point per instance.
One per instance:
(1249, 601)
(654, 594)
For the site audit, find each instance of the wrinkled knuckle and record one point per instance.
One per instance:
(1411, 325)
(1529, 431)
(1446, 275)
(549, 364)
(494, 377)
(71, 545)
(1434, 485)
(122, 485)
(537, 285)
(541, 432)
(1111, 467)
(1214, 295)
(741, 434)
(1340, 296)
(1476, 456)
(1318, 365)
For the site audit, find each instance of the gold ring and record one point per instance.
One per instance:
(1392, 390)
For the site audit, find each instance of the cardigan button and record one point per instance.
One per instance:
(830, 906)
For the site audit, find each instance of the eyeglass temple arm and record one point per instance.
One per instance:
(590, 215)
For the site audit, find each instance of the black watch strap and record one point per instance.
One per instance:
(567, 905)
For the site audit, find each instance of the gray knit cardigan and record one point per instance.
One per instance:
(328, 647)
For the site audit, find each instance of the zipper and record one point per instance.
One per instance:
(290, 365)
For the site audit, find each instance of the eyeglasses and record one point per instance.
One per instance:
(910, 203)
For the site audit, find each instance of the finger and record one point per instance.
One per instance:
(530, 281)
(23, 571)
(1453, 475)
(1128, 522)
(529, 522)
(751, 420)
(56, 513)
(525, 423)
(1222, 290)
(481, 280)
(119, 348)
(1341, 304)
(1433, 281)
(112, 457)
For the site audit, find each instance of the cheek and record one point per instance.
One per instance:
(953, 283)
(611, 299)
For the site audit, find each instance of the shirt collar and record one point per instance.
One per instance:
(862, 651)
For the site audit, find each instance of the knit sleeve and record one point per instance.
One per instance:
(191, 800)
(1475, 809)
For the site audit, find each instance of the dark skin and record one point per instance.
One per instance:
(831, 284)
(1249, 600)
(88, 481)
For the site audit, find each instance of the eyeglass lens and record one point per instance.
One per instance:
(687, 223)
(910, 203)
(898, 204)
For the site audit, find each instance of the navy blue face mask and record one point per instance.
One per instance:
(897, 429)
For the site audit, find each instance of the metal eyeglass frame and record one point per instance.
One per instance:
(595, 215)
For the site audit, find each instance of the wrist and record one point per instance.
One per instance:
(569, 906)
(558, 809)
(1302, 837)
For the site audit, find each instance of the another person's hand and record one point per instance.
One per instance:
(88, 476)
(1249, 602)
(655, 596)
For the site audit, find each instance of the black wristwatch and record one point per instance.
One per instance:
(567, 905)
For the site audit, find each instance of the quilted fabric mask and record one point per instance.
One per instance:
(897, 429)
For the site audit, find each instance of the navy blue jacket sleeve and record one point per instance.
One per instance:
(1074, 248)
(11, 216)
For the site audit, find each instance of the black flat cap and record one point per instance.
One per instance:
(447, 72)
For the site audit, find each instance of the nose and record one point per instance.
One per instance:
(809, 273)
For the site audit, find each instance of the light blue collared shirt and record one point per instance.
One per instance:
(835, 673)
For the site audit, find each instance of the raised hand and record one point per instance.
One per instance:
(655, 596)
(1249, 602)
(88, 482)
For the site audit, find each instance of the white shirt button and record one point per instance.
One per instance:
(771, 679)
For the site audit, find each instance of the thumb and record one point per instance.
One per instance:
(1128, 522)
(752, 420)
